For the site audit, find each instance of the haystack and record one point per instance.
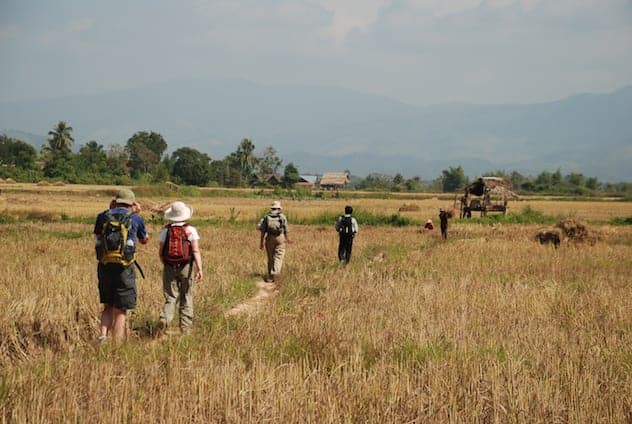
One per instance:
(43, 183)
(59, 183)
(409, 208)
(9, 181)
(576, 231)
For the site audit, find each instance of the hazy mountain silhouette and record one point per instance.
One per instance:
(328, 128)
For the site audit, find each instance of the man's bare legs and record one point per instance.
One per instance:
(113, 322)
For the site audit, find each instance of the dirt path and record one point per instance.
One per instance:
(251, 306)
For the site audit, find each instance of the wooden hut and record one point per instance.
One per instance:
(334, 180)
(486, 194)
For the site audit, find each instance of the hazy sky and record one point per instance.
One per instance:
(418, 51)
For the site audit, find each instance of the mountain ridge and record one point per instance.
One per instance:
(318, 127)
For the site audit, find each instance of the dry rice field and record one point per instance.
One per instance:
(487, 326)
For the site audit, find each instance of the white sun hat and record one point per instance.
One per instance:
(178, 212)
(276, 205)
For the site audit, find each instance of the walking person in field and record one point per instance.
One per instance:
(273, 235)
(179, 251)
(443, 218)
(347, 228)
(117, 232)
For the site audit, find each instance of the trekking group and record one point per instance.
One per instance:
(120, 228)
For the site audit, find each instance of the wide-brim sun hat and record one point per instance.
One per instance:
(178, 212)
(125, 196)
(429, 221)
(276, 205)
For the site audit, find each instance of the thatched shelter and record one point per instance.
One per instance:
(493, 193)
(266, 180)
(334, 180)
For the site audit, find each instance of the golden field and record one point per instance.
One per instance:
(486, 327)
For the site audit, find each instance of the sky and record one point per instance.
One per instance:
(420, 52)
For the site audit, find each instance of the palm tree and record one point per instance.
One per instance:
(245, 154)
(60, 138)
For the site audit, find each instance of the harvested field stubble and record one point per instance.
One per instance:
(486, 327)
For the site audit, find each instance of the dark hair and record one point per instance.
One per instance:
(348, 210)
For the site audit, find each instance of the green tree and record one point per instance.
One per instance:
(60, 164)
(556, 178)
(92, 158)
(375, 181)
(269, 162)
(145, 151)
(117, 159)
(17, 153)
(453, 179)
(592, 183)
(246, 157)
(413, 184)
(60, 137)
(575, 179)
(290, 175)
(191, 166)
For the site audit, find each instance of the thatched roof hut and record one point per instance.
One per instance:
(306, 181)
(334, 180)
(266, 179)
(488, 184)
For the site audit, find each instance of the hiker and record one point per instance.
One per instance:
(179, 250)
(347, 228)
(429, 225)
(443, 217)
(273, 228)
(117, 232)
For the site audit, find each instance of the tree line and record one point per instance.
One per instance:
(143, 160)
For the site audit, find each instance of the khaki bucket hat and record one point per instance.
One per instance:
(125, 196)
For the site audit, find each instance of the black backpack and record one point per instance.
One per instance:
(345, 228)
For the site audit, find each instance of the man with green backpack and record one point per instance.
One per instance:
(117, 231)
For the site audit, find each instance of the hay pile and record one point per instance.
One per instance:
(576, 231)
(9, 181)
(409, 208)
(43, 184)
(59, 183)
(568, 230)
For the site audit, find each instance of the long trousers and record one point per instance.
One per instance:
(275, 249)
(178, 290)
(344, 249)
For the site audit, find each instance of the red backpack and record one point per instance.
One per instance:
(177, 248)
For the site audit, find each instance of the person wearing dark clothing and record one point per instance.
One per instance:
(347, 228)
(443, 217)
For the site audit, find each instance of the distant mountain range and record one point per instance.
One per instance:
(328, 128)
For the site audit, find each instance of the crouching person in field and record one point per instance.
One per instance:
(117, 231)
(273, 229)
(179, 251)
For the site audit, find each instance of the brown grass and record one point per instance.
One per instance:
(413, 330)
